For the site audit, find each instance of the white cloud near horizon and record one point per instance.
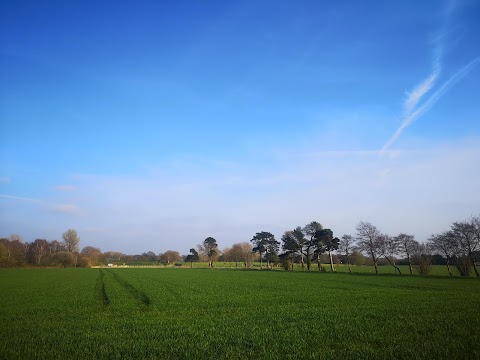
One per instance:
(409, 191)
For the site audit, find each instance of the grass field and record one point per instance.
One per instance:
(228, 314)
(436, 270)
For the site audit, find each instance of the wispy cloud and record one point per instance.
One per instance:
(413, 109)
(64, 208)
(53, 207)
(431, 101)
(65, 188)
(5, 196)
(418, 92)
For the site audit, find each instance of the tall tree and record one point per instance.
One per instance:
(246, 250)
(370, 241)
(239, 252)
(71, 240)
(16, 250)
(55, 246)
(325, 241)
(422, 258)
(290, 248)
(406, 245)
(389, 248)
(466, 234)
(304, 245)
(446, 245)
(309, 230)
(210, 248)
(37, 251)
(265, 244)
(345, 247)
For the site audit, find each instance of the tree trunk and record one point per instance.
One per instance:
(375, 264)
(396, 267)
(309, 260)
(409, 264)
(448, 266)
(331, 261)
(191, 264)
(302, 262)
(473, 262)
(392, 262)
(261, 261)
(319, 264)
(349, 266)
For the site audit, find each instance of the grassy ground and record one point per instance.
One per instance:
(216, 314)
(437, 270)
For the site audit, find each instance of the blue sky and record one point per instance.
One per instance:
(152, 125)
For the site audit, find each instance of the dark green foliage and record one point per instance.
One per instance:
(265, 244)
(324, 241)
(193, 256)
(210, 246)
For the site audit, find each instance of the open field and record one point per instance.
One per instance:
(200, 313)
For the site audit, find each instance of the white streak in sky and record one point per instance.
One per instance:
(432, 100)
(59, 208)
(418, 92)
(411, 111)
(20, 198)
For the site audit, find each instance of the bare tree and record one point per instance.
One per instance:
(71, 240)
(390, 248)
(370, 241)
(466, 234)
(446, 245)
(422, 258)
(170, 256)
(37, 250)
(91, 256)
(406, 245)
(345, 247)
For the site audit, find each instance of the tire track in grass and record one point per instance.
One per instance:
(101, 289)
(137, 294)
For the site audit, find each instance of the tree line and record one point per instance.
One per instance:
(303, 246)
(459, 246)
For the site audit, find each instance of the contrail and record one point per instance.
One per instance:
(432, 100)
(411, 111)
(418, 92)
(20, 198)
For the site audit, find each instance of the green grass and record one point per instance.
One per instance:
(223, 314)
